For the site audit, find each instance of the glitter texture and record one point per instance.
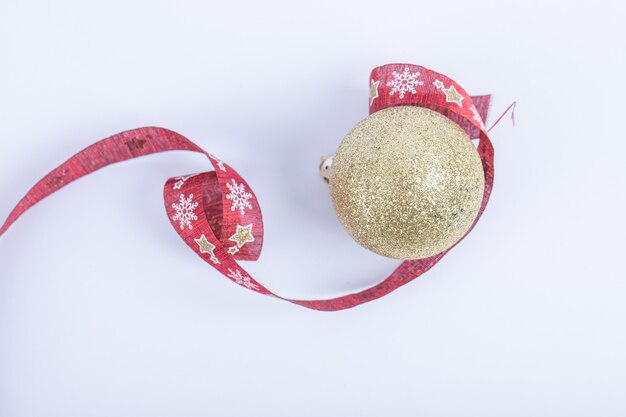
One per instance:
(406, 182)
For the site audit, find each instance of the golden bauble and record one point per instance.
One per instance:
(406, 182)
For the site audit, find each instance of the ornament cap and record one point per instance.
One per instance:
(326, 164)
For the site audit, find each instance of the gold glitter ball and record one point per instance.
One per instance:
(406, 182)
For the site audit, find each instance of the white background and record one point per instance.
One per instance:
(105, 312)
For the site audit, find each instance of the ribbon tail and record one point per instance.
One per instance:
(117, 148)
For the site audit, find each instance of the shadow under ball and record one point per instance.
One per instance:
(406, 182)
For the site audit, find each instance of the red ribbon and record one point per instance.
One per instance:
(217, 214)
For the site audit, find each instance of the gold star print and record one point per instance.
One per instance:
(374, 91)
(438, 84)
(243, 235)
(453, 96)
(207, 247)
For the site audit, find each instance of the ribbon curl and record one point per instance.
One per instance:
(218, 215)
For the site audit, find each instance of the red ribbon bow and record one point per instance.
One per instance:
(218, 215)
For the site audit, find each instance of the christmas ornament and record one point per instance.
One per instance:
(405, 182)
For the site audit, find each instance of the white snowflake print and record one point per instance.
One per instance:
(477, 116)
(239, 197)
(181, 180)
(242, 280)
(404, 82)
(220, 164)
(185, 211)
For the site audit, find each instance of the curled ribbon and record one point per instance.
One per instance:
(217, 214)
